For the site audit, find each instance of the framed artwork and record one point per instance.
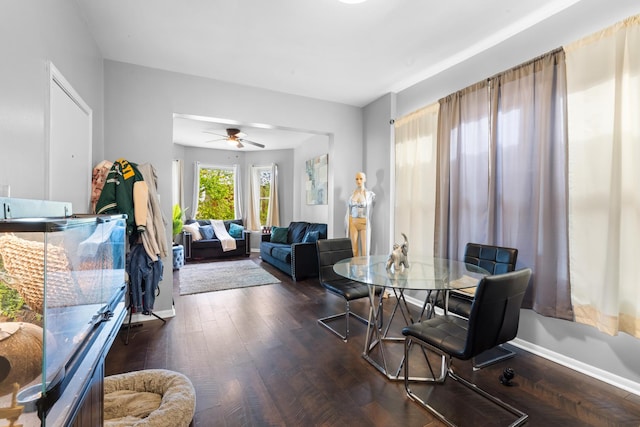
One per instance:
(317, 181)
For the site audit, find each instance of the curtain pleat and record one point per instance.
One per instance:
(238, 198)
(273, 214)
(253, 212)
(463, 171)
(196, 189)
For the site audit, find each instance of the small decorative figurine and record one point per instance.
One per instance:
(398, 256)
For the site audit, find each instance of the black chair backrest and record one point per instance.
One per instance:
(494, 259)
(495, 311)
(331, 251)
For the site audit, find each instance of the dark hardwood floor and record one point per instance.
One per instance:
(257, 357)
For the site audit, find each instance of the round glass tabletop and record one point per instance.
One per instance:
(422, 273)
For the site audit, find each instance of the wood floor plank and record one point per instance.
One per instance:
(257, 357)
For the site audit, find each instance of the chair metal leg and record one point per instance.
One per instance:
(324, 322)
(522, 417)
(491, 356)
(447, 371)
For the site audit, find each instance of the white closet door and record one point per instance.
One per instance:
(69, 148)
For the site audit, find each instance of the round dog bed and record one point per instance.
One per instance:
(148, 398)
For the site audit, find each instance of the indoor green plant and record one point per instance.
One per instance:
(178, 220)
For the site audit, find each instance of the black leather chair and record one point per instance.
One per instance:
(331, 251)
(496, 260)
(493, 320)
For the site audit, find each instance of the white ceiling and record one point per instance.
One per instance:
(323, 49)
(193, 131)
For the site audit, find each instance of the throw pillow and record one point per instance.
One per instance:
(194, 229)
(235, 230)
(279, 234)
(311, 236)
(207, 232)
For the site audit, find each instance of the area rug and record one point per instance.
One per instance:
(221, 275)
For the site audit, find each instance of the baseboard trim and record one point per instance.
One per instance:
(568, 362)
(576, 365)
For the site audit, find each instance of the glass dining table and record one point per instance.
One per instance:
(435, 276)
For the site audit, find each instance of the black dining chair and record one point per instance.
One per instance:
(496, 260)
(331, 251)
(493, 320)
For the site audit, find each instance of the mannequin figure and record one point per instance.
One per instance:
(359, 215)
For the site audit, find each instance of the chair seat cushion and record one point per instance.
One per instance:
(448, 333)
(348, 289)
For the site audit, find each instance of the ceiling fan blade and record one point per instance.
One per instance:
(216, 140)
(257, 144)
(216, 134)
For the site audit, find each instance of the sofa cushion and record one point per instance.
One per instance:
(320, 228)
(235, 230)
(297, 231)
(283, 253)
(228, 222)
(278, 234)
(311, 237)
(207, 232)
(194, 229)
(267, 247)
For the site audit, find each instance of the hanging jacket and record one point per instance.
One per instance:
(154, 238)
(125, 192)
(144, 277)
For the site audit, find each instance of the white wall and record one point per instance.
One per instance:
(313, 147)
(379, 161)
(32, 33)
(608, 358)
(139, 107)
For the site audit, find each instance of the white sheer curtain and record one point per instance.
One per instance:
(416, 138)
(273, 214)
(253, 211)
(177, 184)
(238, 199)
(603, 79)
(196, 189)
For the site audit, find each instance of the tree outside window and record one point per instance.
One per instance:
(216, 198)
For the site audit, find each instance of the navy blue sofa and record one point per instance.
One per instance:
(212, 248)
(295, 258)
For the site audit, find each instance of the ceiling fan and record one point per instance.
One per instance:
(234, 137)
